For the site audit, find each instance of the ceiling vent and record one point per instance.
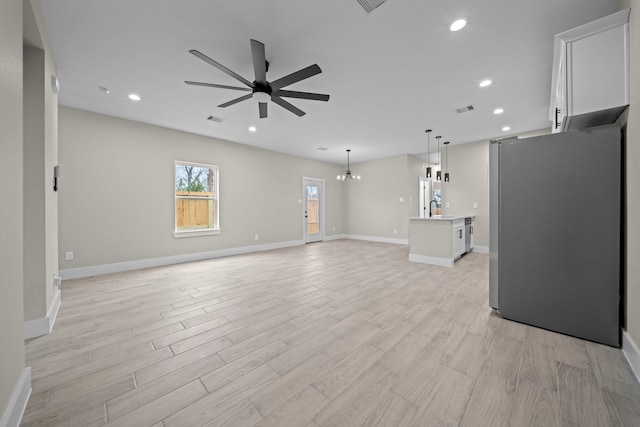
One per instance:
(370, 5)
(215, 119)
(464, 109)
(322, 148)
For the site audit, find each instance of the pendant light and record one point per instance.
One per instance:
(428, 172)
(446, 159)
(348, 176)
(439, 171)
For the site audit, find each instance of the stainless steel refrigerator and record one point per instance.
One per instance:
(555, 232)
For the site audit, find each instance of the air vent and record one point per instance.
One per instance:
(370, 5)
(322, 148)
(215, 119)
(464, 109)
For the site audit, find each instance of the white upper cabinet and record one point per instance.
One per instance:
(590, 81)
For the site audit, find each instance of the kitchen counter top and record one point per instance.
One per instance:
(442, 218)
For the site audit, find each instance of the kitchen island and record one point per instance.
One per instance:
(437, 240)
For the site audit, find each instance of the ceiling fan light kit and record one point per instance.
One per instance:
(261, 89)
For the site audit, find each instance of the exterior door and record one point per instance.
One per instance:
(313, 210)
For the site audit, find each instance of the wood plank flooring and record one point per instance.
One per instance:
(340, 333)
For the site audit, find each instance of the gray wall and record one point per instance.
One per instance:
(373, 206)
(117, 193)
(40, 152)
(11, 306)
(632, 132)
(469, 168)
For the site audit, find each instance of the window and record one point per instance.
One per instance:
(197, 200)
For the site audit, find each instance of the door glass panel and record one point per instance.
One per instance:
(312, 209)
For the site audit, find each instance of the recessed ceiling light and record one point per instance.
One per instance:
(458, 24)
(252, 129)
(134, 97)
(506, 128)
(485, 83)
(498, 111)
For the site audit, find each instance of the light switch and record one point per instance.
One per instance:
(401, 199)
(446, 205)
(475, 205)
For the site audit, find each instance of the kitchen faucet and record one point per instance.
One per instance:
(432, 201)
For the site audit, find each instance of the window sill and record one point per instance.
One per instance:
(194, 233)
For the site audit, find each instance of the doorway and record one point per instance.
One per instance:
(313, 209)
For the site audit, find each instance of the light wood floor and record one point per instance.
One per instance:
(337, 333)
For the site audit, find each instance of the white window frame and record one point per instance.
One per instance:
(216, 198)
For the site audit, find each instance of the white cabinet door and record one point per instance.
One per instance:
(590, 82)
(458, 242)
(598, 77)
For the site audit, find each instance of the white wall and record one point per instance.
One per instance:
(117, 191)
(11, 307)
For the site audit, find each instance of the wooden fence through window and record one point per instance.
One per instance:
(312, 216)
(194, 210)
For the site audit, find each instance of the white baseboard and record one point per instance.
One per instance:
(18, 402)
(631, 352)
(335, 237)
(75, 273)
(43, 326)
(423, 259)
(378, 239)
(481, 249)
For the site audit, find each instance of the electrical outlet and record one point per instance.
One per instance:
(299, 201)
(395, 231)
(446, 205)
(334, 228)
(475, 205)
(68, 256)
(257, 237)
(401, 199)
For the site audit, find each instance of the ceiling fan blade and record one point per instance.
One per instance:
(262, 108)
(301, 95)
(284, 104)
(246, 89)
(305, 73)
(259, 61)
(220, 67)
(235, 101)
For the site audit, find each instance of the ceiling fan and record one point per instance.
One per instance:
(261, 89)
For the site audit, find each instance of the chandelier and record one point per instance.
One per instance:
(348, 176)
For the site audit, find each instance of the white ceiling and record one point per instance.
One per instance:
(391, 74)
